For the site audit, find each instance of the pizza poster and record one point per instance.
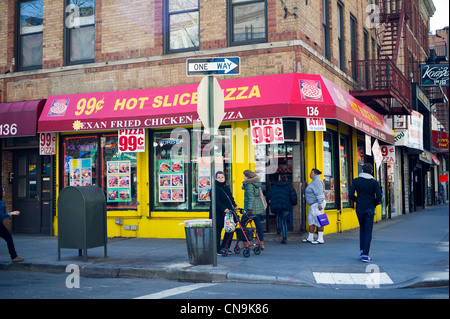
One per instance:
(118, 181)
(311, 90)
(171, 181)
(80, 172)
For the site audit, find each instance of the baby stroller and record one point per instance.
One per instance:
(246, 233)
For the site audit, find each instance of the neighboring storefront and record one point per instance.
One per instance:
(144, 148)
(26, 176)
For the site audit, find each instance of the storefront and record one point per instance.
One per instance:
(145, 148)
(26, 176)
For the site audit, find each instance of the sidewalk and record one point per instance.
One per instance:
(409, 251)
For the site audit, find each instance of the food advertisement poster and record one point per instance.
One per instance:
(118, 181)
(80, 171)
(171, 180)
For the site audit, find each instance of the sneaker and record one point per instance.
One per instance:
(360, 254)
(316, 242)
(366, 259)
(306, 240)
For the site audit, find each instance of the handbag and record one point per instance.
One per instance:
(323, 219)
(263, 199)
(228, 223)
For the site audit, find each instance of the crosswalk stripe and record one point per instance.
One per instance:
(368, 279)
(175, 291)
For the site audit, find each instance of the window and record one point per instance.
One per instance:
(30, 21)
(80, 31)
(326, 29)
(247, 21)
(181, 25)
(182, 176)
(330, 175)
(354, 55)
(95, 160)
(341, 38)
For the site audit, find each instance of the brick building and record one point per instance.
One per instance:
(75, 49)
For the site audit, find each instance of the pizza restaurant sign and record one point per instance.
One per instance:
(271, 96)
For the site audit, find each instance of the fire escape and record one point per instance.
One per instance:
(379, 82)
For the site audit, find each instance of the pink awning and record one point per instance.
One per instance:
(20, 118)
(281, 95)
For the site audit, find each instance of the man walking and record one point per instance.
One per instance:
(368, 197)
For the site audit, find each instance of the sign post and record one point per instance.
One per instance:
(210, 108)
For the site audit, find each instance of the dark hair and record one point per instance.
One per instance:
(220, 172)
(367, 168)
(284, 177)
(316, 171)
(1, 193)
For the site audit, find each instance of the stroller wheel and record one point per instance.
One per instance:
(257, 250)
(237, 249)
(224, 252)
(246, 252)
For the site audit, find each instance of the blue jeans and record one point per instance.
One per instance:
(259, 228)
(365, 218)
(282, 221)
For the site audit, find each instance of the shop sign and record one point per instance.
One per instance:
(376, 150)
(132, 140)
(267, 131)
(315, 124)
(47, 144)
(434, 75)
(440, 141)
(388, 152)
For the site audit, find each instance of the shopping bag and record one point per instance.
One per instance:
(263, 199)
(323, 219)
(228, 223)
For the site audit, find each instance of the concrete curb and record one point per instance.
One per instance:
(190, 274)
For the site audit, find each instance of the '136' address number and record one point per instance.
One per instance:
(6, 129)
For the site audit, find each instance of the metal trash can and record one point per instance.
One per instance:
(81, 219)
(199, 241)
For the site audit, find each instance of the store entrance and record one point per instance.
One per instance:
(287, 159)
(32, 192)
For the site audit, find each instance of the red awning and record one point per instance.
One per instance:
(20, 118)
(281, 95)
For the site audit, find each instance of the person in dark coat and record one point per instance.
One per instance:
(4, 233)
(368, 197)
(282, 196)
(224, 203)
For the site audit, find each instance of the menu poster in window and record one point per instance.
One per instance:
(204, 177)
(171, 180)
(80, 172)
(118, 181)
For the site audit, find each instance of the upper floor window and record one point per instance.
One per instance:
(181, 25)
(247, 21)
(326, 29)
(80, 31)
(341, 37)
(30, 18)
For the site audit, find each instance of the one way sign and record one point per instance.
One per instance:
(212, 66)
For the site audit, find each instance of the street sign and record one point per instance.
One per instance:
(212, 66)
(203, 103)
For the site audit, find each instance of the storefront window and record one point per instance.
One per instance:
(345, 170)
(115, 173)
(119, 174)
(329, 170)
(182, 181)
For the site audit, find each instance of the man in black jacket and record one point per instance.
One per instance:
(369, 196)
(282, 196)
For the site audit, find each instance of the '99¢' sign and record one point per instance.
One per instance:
(132, 140)
(267, 131)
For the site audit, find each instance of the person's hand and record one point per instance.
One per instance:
(226, 210)
(320, 207)
(15, 213)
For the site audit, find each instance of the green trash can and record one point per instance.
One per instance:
(199, 241)
(81, 219)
